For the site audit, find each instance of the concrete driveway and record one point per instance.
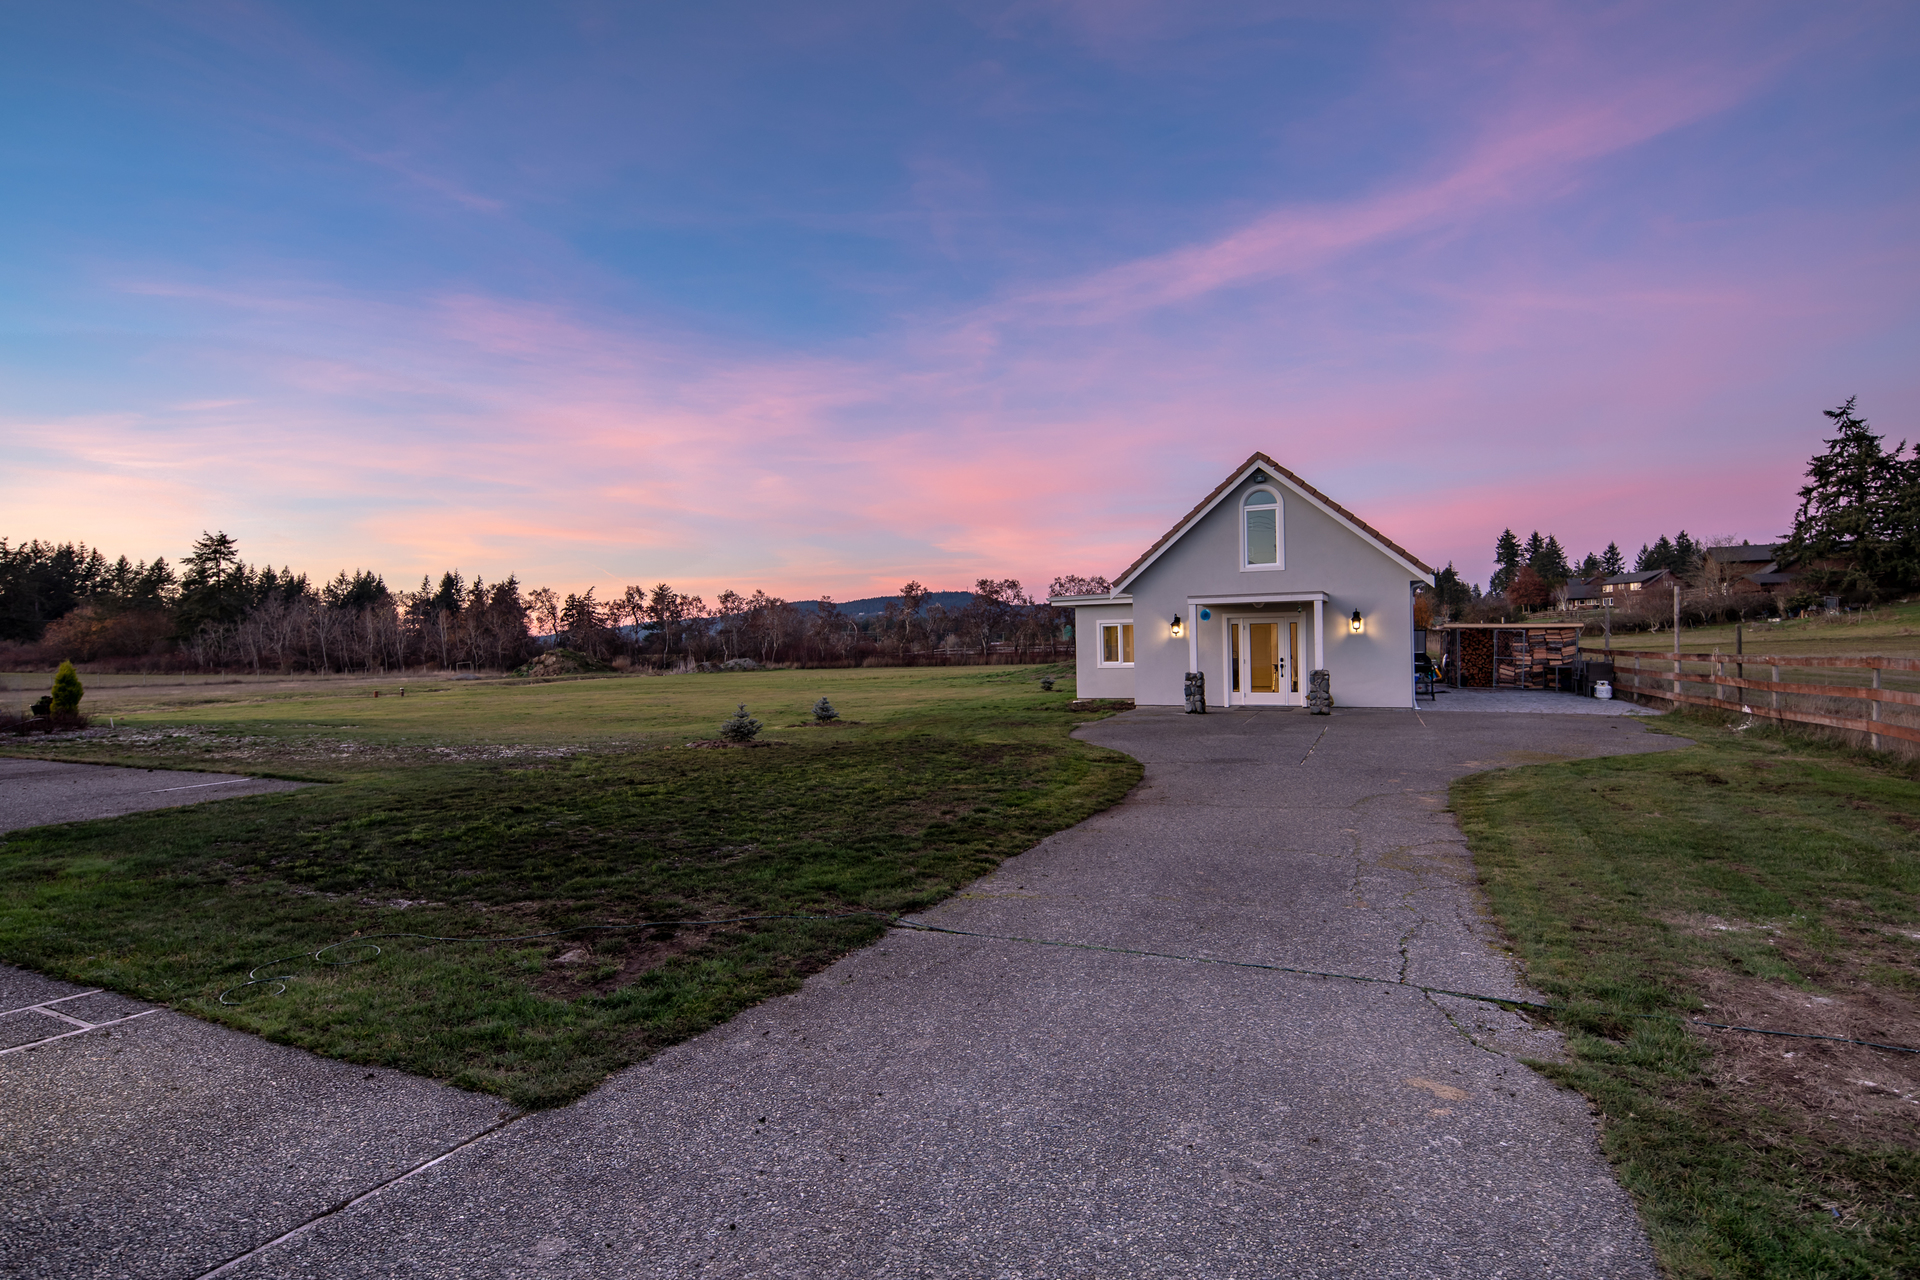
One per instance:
(944, 1105)
(36, 792)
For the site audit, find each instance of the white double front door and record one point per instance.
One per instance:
(1263, 660)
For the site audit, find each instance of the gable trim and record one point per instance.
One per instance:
(1392, 550)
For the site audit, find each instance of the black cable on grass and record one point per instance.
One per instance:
(902, 922)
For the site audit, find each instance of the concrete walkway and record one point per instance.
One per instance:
(1534, 701)
(36, 792)
(943, 1105)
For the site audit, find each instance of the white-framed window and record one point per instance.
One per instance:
(1116, 644)
(1263, 538)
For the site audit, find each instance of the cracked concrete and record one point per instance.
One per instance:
(940, 1105)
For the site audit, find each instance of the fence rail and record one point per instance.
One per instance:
(1670, 685)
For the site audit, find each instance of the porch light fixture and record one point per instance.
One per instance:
(1179, 627)
(1353, 623)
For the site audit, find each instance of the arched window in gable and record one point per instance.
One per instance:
(1262, 531)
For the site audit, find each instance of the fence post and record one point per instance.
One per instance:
(1719, 674)
(1775, 694)
(1874, 713)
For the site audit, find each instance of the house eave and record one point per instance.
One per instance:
(1326, 505)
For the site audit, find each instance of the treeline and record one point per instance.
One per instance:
(216, 612)
(659, 625)
(1856, 536)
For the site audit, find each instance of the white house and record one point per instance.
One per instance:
(1264, 581)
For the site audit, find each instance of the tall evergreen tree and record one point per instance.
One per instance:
(1550, 562)
(1452, 596)
(1611, 561)
(1861, 503)
(1507, 557)
(452, 591)
(214, 585)
(1687, 554)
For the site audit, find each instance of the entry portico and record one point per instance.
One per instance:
(1265, 581)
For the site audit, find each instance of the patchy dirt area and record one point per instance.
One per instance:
(599, 964)
(1838, 1092)
(260, 749)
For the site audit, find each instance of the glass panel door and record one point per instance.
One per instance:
(1263, 647)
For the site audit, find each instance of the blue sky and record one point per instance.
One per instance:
(820, 298)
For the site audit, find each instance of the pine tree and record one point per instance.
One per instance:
(1611, 561)
(66, 690)
(1687, 554)
(1453, 596)
(215, 585)
(1590, 567)
(1535, 545)
(1507, 555)
(1861, 502)
(823, 711)
(740, 727)
(1550, 562)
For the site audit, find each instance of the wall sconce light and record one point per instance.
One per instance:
(1353, 623)
(1179, 627)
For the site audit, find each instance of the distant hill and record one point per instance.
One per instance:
(874, 606)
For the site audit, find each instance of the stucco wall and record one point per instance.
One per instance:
(1372, 669)
(1091, 680)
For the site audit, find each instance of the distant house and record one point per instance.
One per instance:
(1266, 580)
(1747, 557)
(1581, 595)
(1624, 584)
(1757, 563)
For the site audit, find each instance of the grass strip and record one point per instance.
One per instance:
(1755, 878)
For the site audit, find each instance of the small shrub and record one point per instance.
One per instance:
(44, 707)
(66, 690)
(1046, 684)
(740, 727)
(739, 664)
(823, 711)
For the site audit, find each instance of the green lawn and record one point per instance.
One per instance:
(490, 810)
(1755, 879)
(1890, 629)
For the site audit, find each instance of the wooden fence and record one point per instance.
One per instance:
(1667, 677)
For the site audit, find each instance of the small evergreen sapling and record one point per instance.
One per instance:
(823, 711)
(740, 727)
(66, 690)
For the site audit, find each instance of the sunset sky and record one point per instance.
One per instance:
(820, 297)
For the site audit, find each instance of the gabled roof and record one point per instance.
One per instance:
(1261, 461)
(1645, 575)
(1745, 553)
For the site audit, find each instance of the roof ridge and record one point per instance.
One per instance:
(1232, 479)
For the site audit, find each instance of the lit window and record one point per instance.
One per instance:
(1260, 529)
(1116, 644)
